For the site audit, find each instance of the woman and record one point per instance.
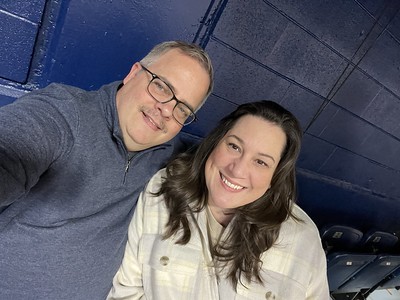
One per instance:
(220, 222)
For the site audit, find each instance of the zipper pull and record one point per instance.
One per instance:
(128, 163)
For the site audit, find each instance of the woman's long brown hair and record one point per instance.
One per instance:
(255, 226)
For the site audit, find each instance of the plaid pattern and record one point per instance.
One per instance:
(153, 268)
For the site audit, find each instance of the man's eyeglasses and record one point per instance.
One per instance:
(162, 92)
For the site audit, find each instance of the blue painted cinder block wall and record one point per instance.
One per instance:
(334, 64)
(85, 43)
(19, 26)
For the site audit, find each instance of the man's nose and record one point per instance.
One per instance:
(166, 109)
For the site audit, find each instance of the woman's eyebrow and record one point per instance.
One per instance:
(243, 143)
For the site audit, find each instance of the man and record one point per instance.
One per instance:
(72, 164)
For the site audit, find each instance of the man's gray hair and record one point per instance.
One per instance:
(190, 49)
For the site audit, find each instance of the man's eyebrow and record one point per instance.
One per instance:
(174, 91)
(167, 82)
(260, 153)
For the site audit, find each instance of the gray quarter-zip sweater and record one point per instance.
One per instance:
(68, 188)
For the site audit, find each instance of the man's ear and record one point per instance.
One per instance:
(132, 73)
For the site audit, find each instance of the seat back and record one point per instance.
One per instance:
(393, 281)
(379, 241)
(371, 274)
(340, 238)
(342, 266)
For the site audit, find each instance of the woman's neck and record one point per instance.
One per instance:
(221, 216)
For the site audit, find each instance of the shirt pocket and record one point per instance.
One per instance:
(169, 269)
(283, 278)
(275, 287)
(257, 291)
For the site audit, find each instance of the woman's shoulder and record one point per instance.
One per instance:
(149, 199)
(298, 246)
(300, 231)
(155, 182)
(152, 206)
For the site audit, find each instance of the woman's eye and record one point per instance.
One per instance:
(234, 146)
(261, 162)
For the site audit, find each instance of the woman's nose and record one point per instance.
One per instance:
(238, 167)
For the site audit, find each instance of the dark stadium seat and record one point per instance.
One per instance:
(392, 281)
(343, 266)
(340, 238)
(372, 274)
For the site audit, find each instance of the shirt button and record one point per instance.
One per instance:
(164, 260)
(269, 295)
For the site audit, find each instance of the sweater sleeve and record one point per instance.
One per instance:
(127, 282)
(314, 254)
(34, 132)
(318, 288)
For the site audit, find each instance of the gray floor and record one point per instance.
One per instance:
(390, 294)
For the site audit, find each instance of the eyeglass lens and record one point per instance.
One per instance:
(163, 93)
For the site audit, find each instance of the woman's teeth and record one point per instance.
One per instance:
(231, 185)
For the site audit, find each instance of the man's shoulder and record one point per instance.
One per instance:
(61, 90)
(52, 94)
(55, 86)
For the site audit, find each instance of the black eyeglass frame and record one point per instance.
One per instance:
(155, 76)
